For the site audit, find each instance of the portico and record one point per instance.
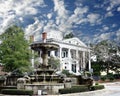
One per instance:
(74, 58)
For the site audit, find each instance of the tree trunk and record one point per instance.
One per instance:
(107, 68)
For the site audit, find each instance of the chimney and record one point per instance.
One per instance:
(44, 37)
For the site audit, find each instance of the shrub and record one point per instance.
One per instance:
(17, 92)
(79, 86)
(103, 78)
(7, 87)
(96, 83)
(116, 76)
(110, 76)
(73, 89)
(66, 72)
(97, 87)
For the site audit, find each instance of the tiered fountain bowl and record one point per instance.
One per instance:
(44, 73)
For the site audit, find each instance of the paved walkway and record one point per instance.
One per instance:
(113, 88)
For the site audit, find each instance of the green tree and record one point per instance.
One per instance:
(54, 62)
(67, 36)
(107, 53)
(14, 50)
(97, 68)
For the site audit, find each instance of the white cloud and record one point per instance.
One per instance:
(49, 15)
(11, 10)
(93, 18)
(118, 35)
(34, 29)
(109, 14)
(62, 16)
(50, 26)
(114, 2)
(78, 16)
(112, 7)
(114, 25)
(105, 28)
(59, 7)
(103, 36)
(80, 10)
(109, 8)
(118, 9)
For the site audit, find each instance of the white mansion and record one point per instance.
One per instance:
(73, 54)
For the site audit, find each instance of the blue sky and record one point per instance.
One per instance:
(90, 20)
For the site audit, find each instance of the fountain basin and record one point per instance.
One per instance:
(49, 87)
(39, 45)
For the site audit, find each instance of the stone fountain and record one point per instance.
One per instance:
(44, 77)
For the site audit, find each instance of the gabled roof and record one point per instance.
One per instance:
(75, 41)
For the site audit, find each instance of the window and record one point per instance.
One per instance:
(64, 54)
(48, 53)
(73, 54)
(56, 53)
(65, 67)
(74, 68)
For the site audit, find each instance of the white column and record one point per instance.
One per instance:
(89, 61)
(83, 59)
(52, 53)
(77, 64)
(32, 59)
(69, 54)
(77, 57)
(60, 53)
(60, 56)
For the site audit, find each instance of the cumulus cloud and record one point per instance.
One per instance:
(105, 28)
(78, 16)
(93, 18)
(49, 15)
(114, 25)
(111, 7)
(34, 28)
(103, 36)
(59, 7)
(12, 10)
(118, 35)
(80, 10)
(109, 14)
(118, 9)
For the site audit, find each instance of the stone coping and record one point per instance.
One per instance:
(44, 83)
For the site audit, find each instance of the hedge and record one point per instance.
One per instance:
(97, 87)
(74, 89)
(7, 87)
(76, 86)
(17, 92)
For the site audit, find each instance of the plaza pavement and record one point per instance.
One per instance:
(111, 89)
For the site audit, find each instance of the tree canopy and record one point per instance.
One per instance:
(14, 49)
(54, 62)
(70, 35)
(107, 53)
